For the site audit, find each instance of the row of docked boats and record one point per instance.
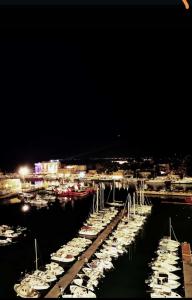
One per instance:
(75, 190)
(8, 234)
(34, 283)
(37, 200)
(43, 198)
(68, 253)
(86, 281)
(96, 222)
(163, 280)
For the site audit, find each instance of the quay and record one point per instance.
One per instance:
(30, 190)
(187, 269)
(176, 203)
(63, 283)
(167, 194)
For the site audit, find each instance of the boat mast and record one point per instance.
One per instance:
(170, 228)
(103, 195)
(114, 191)
(97, 200)
(128, 207)
(134, 204)
(93, 203)
(36, 264)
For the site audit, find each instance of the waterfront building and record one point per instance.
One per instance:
(47, 167)
(10, 185)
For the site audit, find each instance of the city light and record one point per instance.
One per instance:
(23, 171)
(67, 175)
(81, 174)
(116, 177)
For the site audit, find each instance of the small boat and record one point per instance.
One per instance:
(5, 241)
(35, 283)
(164, 294)
(166, 274)
(46, 276)
(188, 200)
(166, 267)
(66, 258)
(67, 296)
(81, 292)
(55, 268)
(24, 290)
(31, 282)
(159, 282)
(71, 192)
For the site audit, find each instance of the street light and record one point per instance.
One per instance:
(23, 171)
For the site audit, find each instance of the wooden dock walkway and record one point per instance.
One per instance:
(83, 259)
(187, 269)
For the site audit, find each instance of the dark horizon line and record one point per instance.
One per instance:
(6, 166)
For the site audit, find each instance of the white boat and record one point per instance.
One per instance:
(80, 292)
(5, 241)
(55, 268)
(164, 261)
(166, 267)
(25, 291)
(62, 258)
(46, 276)
(163, 250)
(169, 241)
(159, 282)
(166, 274)
(32, 282)
(160, 294)
(35, 283)
(169, 255)
(88, 285)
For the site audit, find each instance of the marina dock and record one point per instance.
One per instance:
(83, 259)
(29, 190)
(187, 269)
(167, 194)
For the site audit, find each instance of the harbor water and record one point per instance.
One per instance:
(60, 221)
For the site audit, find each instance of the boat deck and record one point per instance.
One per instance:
(64, 281)
(187, 269)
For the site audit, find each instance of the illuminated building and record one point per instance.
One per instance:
(8, 186)
(50, 167)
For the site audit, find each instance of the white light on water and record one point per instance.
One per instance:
(25, 208)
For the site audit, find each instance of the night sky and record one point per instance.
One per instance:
(81, 80)
(90, 2)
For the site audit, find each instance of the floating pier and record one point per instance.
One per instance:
(187, 269)
(64, 281)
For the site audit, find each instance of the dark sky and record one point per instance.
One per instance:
(90, 2)
(92, 80)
